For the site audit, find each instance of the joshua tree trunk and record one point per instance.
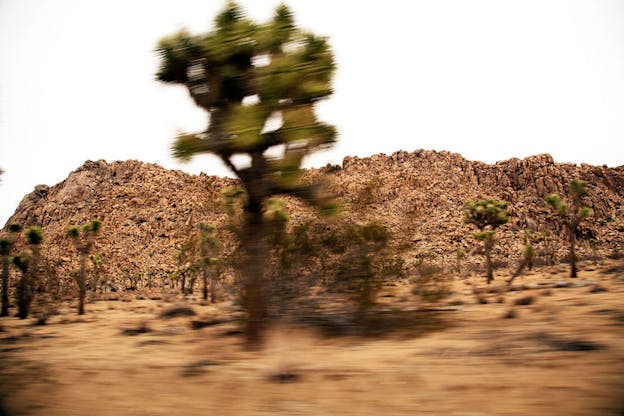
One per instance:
(205, 281)
(81, 283)
(5, 286)
(24, 296)
(488, 259)
(254, 285)
(572, 237)
(183, 283)
(488, 265)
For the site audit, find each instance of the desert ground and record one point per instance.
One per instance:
(538, 350)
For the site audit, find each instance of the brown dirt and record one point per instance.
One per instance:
(562, 354)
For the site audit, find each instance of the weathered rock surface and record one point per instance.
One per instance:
(420, 196)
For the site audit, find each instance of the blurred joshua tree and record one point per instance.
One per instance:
(23, 294)
(487, 215)
(6, 246)
(208, 244)
(28, 264)
(83, 238)
(259, 84)
(572, 213)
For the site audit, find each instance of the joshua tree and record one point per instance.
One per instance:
(34, 238)
(259, 83)
(572, 213)
(6, 246)
(487, 215)
(83, 238)
(23, 293)
(207, 246)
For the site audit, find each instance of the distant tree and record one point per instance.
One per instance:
(83, 238)
(251, 78)
(34, 238)
(208, 245)
(6, 246)
(487, 215)
(572, 213)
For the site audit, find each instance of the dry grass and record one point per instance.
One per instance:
(561, 354)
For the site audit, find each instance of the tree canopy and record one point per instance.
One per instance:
(259, 83)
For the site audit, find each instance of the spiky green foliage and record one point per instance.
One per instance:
(486, 215)
(246, 74)
(73, 231)
(572, 212)
(34, 236)
(15, 228)
(21, 262)
(288, 71)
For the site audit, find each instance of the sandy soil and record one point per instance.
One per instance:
(563, 354)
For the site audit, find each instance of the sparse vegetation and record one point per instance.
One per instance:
(528, 255)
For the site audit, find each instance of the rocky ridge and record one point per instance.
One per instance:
(146, 210)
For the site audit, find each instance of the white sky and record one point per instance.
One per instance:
(488, 79)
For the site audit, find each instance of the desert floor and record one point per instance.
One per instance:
(561, 354)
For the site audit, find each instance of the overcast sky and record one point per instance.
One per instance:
(487, 79)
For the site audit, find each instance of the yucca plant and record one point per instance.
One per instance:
(83, 238)
(572, 213)
(28, 264)
(260, 84)
(487, 215)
